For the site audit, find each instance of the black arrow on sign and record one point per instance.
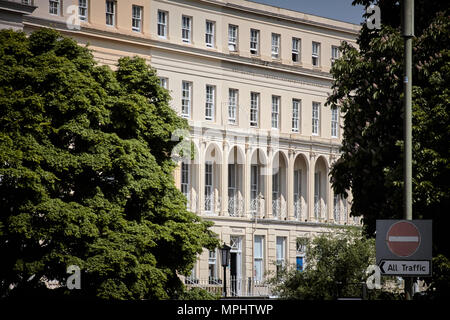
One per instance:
(381, 266)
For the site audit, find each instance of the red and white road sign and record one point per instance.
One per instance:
(403, 239)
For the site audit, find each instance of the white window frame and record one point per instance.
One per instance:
(254, 41)
(334, 122)
(163, 82)
(186, 181)
(276, 45)
(83, 10)
(255, 99)
(233, 36)
(110, 14)
(210, 30)
(54, 7)
(136, 18)
(210, 102)
(162, 24)
(315, 118)
(233, 98)
(296, 49)
(276, 102)
(186, 29)
(186, 99)
(281, 254)
(258, 258)
(335, 54)
(296, 107)
(254, 182)
(315, 53)
(209, 186)
(212, 262)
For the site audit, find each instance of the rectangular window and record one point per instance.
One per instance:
(297, 184)
(83, 10)
(162, 23)
(316, 54)
(259, 258)
(315, 118)
(163, 82)
(295, 115)
(186, 26)
(209, 191)
(110, 13)
(254, 182)
(232, 192)
(254, 109)
(185, 180)
(209, 34)
(316, 194)
(136, 18)
(280, 252)
(299, 263)
(254, 41)
(334, 54)
(296, 43)
(232, 38)
(275, 112)
(276, 45)
(186, 99)
(334, 122)
(212, 266)
(232, 105)
(210, 102)
(54, 7)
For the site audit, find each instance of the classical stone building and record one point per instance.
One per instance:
(252, 80)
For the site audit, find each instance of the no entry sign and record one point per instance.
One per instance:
(403, 247)
(403, 238)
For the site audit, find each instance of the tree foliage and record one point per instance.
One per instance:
(336, 263)
(86, 175)
(368, 87)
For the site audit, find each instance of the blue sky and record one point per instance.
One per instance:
(334, 9)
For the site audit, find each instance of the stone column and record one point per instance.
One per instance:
(224, 180)
(201, 177)
(290, 185)
(312, 168)
(268, 185)
(246, 182)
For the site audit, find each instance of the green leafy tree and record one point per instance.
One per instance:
(336, 263)
(368, 87)
(86, 175)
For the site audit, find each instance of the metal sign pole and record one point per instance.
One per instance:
(408, 34)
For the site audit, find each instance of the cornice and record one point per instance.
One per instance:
(182, 49)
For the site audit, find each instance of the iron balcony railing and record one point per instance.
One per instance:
(299, 210)
(236, 286)
(235, 206)
(279, 208)
(257, 207)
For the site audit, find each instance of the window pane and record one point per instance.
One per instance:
(162, 23)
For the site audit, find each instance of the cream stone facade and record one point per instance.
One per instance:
(252, 80)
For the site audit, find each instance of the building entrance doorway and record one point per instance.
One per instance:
(236, 266)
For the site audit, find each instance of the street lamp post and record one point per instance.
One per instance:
(408, 34)
(225, 253)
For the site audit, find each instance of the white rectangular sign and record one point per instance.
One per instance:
(405, 268)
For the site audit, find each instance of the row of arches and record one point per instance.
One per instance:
(260, 182)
